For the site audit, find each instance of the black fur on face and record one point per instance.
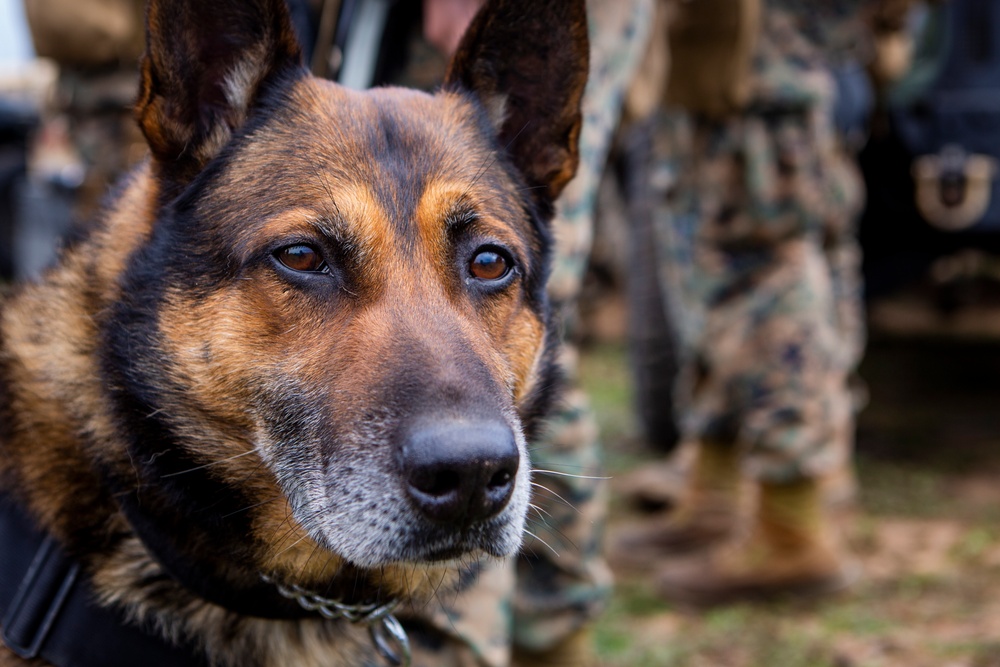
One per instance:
(393, 330)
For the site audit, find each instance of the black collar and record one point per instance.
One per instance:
(48, 608)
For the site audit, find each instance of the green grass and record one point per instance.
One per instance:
(889, 489)
(974, 545)
(860, 618)
(604, 376)
(740, 635)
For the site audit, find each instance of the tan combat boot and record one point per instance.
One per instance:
(706, 514)
(575, 651)
(658, 486)
(791, 550)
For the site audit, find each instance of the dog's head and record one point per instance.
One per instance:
(328, 350)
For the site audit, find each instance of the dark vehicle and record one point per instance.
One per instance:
(931, 166)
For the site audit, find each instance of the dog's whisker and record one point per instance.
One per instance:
(357, 579)
(490, 158)
(590, 467)
(566, 474)
(528, 532)
(289, 533)
(284, 522)
(277, 545)
(252, 473)
(138, 480)
(312, 554)
(563, 537)
(250, 507)
(540, 448)
(541, 510)
(556, 495)
(434, 592)
(330, 560)
(156, 455)
(408, 577)
(290, 547)
(210, 464)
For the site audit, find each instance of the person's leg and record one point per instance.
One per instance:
(705, 506)
(466, 628)
(562, 580)
(776, 346)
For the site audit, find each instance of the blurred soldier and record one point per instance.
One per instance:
(761, 268)
(97, 44)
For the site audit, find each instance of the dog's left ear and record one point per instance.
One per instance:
(205, 64)
(527, 62)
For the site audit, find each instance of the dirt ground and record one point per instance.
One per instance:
(926, 531)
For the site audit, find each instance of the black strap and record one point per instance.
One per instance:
(48, 611)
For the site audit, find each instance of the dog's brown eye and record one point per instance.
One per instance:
(301, 258)
(489, 265)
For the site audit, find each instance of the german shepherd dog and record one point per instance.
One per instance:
(288, 375)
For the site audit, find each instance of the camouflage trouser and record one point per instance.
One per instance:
(762, 274)
(560, 581)
(556, 595)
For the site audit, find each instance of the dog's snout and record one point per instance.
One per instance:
(460, 472)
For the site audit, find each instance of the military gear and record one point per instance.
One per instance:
(707, 512)
(556, 595)
(944, 112)
(761, 266)
(573, 651)
(761, 274)
(792, 550)
(712, 42)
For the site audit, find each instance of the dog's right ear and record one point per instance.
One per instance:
(527, 61)
(205, 64)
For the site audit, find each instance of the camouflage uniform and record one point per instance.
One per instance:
(560, 582)
(557, 595)
(760, 261)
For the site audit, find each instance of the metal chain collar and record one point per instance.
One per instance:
(386, 631)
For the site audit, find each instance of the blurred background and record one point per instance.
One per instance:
(926, 521)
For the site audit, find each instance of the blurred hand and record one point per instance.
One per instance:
(445, 22)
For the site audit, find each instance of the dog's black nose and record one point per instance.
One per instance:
(459, 472)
